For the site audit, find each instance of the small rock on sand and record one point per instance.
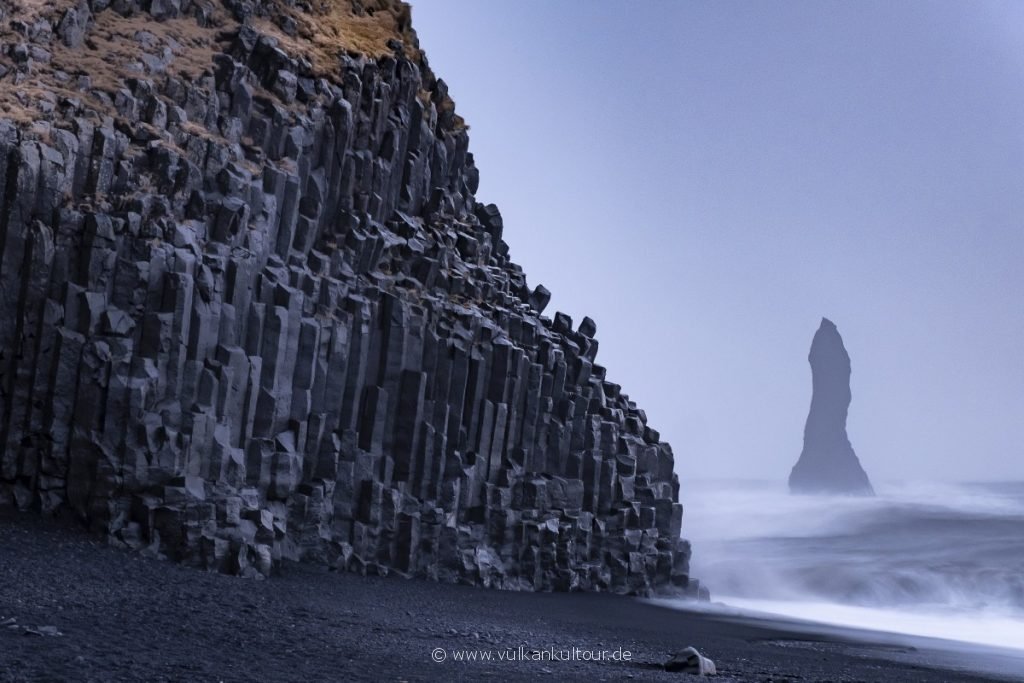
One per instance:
(691, 662)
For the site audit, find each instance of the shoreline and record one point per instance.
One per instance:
(983, 659)
(123, 617)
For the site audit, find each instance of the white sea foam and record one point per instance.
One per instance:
(937, 560)
(995, 630)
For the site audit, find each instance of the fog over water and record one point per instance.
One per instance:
(707, 180)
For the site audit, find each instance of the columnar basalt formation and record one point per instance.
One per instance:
(827, 463)
(250, 310)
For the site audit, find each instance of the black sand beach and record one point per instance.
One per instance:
(123, 617)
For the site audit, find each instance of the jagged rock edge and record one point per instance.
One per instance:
(260, 315)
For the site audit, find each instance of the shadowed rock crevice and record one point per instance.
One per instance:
(250, 309)
(828, 463)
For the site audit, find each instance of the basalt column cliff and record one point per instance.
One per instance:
(250, 309)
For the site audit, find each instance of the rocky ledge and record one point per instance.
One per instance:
(250, 310)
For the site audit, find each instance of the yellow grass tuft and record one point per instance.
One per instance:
(334, 27)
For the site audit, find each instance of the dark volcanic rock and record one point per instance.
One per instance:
(250, 310)
(828, 463)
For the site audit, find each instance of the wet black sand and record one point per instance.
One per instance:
(123, 617)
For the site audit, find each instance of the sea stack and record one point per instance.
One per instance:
(828, 463)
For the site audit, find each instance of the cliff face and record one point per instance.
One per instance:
(827, 463)
(250, 309)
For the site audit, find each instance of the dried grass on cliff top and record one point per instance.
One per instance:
(338, 26)
(27, 10)
(111, 51)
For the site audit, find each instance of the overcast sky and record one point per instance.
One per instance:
(708, 179)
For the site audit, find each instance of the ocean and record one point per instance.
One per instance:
(926, 559)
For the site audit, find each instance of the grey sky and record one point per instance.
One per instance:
(706, 180)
